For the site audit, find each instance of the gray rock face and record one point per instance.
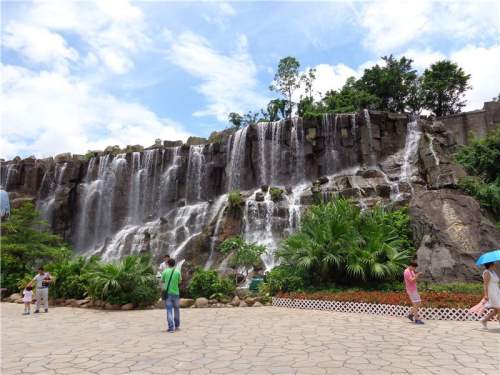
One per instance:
(173, 198)
(451, 233)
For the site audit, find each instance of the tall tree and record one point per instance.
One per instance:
(236, 119)
(308, 80)
(350, 98)
(392, 83)
(443, 86)
(286, 80)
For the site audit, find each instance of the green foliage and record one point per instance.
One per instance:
(443, 87)
(286, 79)
(488, 194)
(26, 245)
(391, 83)
(308, 80)
(350, 98)
(215, 137)
(71, 277)
(283, 279)
(481, 157)
(236, 119)
(276, 194)
(234, 199)
(337, 242)
(132, 280)
(472, 288)
(243, 254)
(400, 220)
(209, 285)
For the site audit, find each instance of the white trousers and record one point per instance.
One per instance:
(42, 293)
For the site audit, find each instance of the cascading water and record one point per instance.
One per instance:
(329, 130)
(195, 175)
(237, 159)
(413, 135)
(371, 154)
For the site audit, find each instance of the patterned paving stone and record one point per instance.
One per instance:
(241, 341)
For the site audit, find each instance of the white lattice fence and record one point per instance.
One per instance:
(374, 308)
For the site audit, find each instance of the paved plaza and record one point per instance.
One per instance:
(263, 340)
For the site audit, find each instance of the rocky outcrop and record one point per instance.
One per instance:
(451, 233)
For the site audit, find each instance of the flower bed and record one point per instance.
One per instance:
(429, 299)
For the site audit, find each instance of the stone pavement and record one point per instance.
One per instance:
(264, 340)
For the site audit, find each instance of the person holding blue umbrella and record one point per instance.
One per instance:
(491, 289)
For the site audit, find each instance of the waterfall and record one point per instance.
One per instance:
(329, 131)
(413, 135)
(430, 138)
(6, 174)
(169, 180)
(237, 159)
(218, 214)
(371, 154)
(195, 175)
(297, 140)
(262, 159)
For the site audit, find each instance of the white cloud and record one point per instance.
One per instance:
(111, 30)
(482, 63)
(392, 24)
(228, 82)
(48, 112)
(422, 59)
(39, 45)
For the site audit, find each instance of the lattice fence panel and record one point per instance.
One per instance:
(427, 313)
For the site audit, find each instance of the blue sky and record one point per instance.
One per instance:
(83, 75)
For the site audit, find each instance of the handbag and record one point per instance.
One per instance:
(164, 293)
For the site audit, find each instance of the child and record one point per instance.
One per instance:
(27, 298)
(411, 289)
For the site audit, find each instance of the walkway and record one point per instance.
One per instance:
(263, 340)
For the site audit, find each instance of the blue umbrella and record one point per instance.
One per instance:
(488, 257)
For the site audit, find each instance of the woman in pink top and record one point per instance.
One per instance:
(411, 289)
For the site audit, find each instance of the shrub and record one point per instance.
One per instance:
(234, 199)
(282, 279)
(243, 254)
(208, 283)
(26, 245)
(336, 242)
(71, 277)
(276, 194)
(132, 280)
(488, 194)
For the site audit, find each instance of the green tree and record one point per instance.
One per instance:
(443, 86)
(350, 98)
(243, 254)
(308, 79)
(391, 83)
(276, 109)
(26, 245)
(236, 119)
(208, 283)
(287, 80)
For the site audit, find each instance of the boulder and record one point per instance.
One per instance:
(321, 181)
(80, 302)
(186, 302)
(250, 300)
(370, 173)
(128, 306)
(243, 304)
(236, 301)
(259, 196)
(257, 304)
(109, 306)
(70, 301)
(201, 302)
(14, 297)
(451, 233)
(212, 302)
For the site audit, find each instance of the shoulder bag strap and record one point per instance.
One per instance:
(169, 280)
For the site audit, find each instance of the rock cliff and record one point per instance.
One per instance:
(172, 198)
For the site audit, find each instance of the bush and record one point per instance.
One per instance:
(338, 243)
(283, 279)
(488, 194)
(26, 245)
(132, 280)
(71, 277)
(243, 254)
(234, 199)
(276, 194)
(208, 283)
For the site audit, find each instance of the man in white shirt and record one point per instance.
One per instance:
(42, 280)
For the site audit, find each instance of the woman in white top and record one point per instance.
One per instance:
(491, 292)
